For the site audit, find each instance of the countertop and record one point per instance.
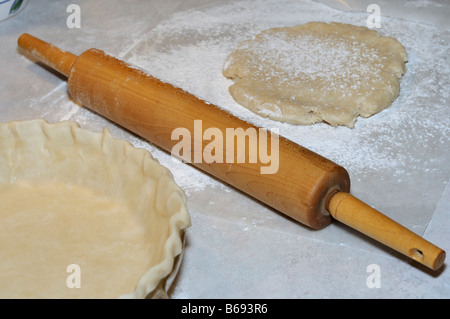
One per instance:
(398, 160)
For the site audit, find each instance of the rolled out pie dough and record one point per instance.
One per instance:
(316, 72)
(83, 215)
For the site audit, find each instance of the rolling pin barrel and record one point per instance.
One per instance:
(299, 183)
(153, 109)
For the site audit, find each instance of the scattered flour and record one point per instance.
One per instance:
(403, 142)
(423, 4)
(189, 49)
(313, 58)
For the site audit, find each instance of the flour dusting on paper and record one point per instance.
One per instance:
(189, 50)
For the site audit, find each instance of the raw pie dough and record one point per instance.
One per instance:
(316, 72)
(74, 197)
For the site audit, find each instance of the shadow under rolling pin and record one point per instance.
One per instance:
(306, 187)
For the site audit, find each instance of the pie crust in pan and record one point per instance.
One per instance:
(84, 215)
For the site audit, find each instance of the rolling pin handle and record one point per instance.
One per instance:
(47, 53)
(360, 216)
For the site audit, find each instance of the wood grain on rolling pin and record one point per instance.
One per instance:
(153, 109)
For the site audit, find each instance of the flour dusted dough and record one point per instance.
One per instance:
(316, 72)
(70, 196)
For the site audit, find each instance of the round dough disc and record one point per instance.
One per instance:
(316, 72)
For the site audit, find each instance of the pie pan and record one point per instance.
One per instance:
(84, 215)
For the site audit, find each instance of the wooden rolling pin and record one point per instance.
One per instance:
(307, 187)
